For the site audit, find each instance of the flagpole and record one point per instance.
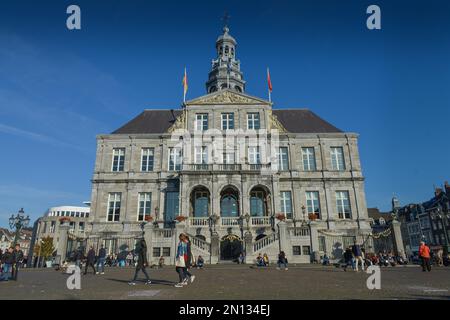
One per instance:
(184, 86)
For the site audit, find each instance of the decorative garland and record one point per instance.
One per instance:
(385, 233)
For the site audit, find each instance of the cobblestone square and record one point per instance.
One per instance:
(235, 282)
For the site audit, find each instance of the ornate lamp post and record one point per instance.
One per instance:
(18, 222)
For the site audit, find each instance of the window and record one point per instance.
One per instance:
(228, 158)
(283, 161)
(201, 155)
(296, 250)
(72, 226)
(253, 121)
(343, 205)
(175, 159)
(313, 203)
(145, 204)
(257, 204)
(114, 206)
(166, 252)
(306, 250)
(227, 121)
(156, 252)
(52, 227)
(337, 159)
(201, 121)
(81, 226)
(253, 155)
(309, 159)
(118, 159)
(147, 159)
(286, 203)
(201, 204)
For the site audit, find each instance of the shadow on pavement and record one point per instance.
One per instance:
(154, 281)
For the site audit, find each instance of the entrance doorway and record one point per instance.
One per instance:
(230, 247)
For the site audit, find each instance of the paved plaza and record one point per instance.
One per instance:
(231, 282)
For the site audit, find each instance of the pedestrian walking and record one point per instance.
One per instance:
(424, 254)
(187, 273)
(18, 259)
(101, 260)
(90, 260)
(357, 252)
(142, 263)
(180, 260)
(77, 257)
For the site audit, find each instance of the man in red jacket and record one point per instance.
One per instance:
(424, 254)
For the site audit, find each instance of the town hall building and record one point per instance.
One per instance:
(231, 171)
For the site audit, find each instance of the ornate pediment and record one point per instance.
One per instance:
(179, 122)
(227, 97)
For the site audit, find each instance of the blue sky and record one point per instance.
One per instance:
(60, 88)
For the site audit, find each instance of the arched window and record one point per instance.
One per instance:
(212, 89)
(223, 86)
(229, 206)
(232, 52)
(227, 50)
(201, 204)
(258, 203)
(238, 89)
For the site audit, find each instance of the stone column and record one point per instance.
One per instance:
(215, 248)
(63, 235)
(283, 234)
(314, 239)
(248, 247)
(397, 238)
(148, 236)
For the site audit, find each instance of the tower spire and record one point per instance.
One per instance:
(225, 69)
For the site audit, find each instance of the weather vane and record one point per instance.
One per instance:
(226, 18)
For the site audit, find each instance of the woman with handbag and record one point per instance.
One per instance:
(180, 260)
(187, 275)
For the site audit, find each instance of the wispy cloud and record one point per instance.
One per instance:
(38, 137)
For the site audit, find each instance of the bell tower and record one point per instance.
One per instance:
(225, 69)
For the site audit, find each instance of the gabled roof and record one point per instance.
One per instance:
(293, 120)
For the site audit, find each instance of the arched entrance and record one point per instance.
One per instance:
(199, 200)
(229, 202)
(259, 202)
(230, 247)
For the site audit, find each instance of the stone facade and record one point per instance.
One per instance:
(231, 202)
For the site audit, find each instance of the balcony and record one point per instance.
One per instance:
(198, 222)
(225, 167)
(229, 222)
(260, 221)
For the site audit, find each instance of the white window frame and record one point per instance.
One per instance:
(281, 166)
(114, 197)
(254, 156)
(340, 204)
(310, 158)
(311, 197)
(120, 154)
(229, 158)
(337, 158)
(146, 198)
(226, 119)
(147, 152)
(284, 203)
(200, 120)
(252, 119)
(201, 155)
(177, 154)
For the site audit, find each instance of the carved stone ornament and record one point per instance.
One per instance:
(227, 97)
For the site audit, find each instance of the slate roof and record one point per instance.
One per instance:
(294, 120)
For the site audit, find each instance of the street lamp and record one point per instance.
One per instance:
(18, 222)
